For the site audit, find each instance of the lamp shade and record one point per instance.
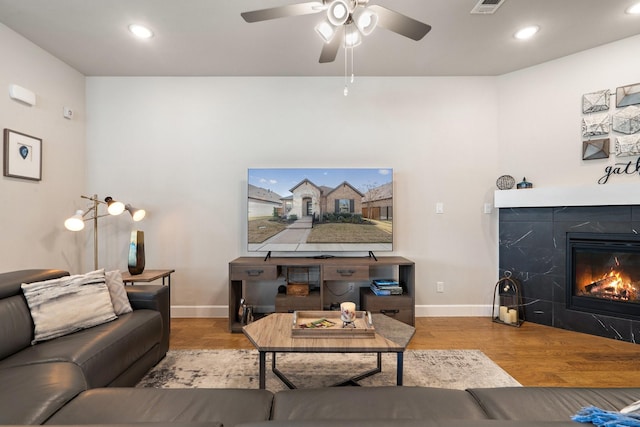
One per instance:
(352, 37)
(338, 12)
(114, 207)
(136, 214)
(325, 30)
(75, 222)
(365, 19)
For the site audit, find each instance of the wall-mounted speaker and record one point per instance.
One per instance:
(21, 94)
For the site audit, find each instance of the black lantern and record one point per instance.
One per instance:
(508, 301)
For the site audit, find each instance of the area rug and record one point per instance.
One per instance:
(456, 369)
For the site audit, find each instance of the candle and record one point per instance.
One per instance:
(512, 316)
(348, 311)
(503, 313)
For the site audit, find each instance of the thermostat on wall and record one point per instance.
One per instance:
(21, 94)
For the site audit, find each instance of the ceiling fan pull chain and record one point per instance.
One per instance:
(346, 89)
(352, 69)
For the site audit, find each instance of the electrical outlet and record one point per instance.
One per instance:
(351, 286)
(440, 287)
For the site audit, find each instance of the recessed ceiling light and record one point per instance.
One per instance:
(140, 31)
(527, 32)
(634, 10)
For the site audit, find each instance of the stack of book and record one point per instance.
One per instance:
(383, 287)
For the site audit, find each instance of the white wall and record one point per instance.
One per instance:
(180, 147)
(32, 212)
(540, 113)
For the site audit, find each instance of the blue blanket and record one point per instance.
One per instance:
(602, 418)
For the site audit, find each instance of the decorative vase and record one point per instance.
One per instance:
(136, 252)
(524, 184)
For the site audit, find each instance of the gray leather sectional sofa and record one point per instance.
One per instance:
(86, 378)
(39, 379)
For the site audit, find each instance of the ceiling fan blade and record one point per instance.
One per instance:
(399, 23)
(330, 50)
(283, 11)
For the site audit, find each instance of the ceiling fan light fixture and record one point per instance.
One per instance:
(527, 32)
(352, 36)
(338, 12)
(634, 10)
(365, 19)
(326, 31)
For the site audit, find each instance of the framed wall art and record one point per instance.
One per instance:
(22, 155)
(595, 124)
(627, 146)
(628, 95)
(595, 101)
(595, 149)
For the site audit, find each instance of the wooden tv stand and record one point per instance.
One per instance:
(250, 271)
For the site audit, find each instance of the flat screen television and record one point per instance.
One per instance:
(320, 210)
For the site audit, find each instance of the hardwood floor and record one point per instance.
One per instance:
(534, 355)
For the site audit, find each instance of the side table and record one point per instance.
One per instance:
(148, 276)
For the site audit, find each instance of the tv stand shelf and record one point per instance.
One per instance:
(248, 271)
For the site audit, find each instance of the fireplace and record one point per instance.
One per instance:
(533, 246)
(603, 274)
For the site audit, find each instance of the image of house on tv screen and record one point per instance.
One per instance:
(320, 210)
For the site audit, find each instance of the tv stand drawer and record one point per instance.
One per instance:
(254, 272)
(346, 272)
(400, 307)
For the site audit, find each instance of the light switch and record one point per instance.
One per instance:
(439, 208)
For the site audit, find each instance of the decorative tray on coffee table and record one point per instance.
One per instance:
(328, 324)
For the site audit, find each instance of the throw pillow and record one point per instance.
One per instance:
(118, 293)
(68, 304)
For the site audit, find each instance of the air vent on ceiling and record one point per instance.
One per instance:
(486, 7)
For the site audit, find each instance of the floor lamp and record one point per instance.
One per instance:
(76, 222)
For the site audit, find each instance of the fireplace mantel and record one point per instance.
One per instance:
(591, 195)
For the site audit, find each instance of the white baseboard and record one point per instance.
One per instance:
(199, 311)
(458, 310)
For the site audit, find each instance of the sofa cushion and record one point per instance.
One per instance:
(203, 424)
(11, 282)
(31, 394)
(16, 326)
(67, 304)
(128, 405)
(409, 423)
(422, 403)
(102, 352)
(549, 403)
(117, 292)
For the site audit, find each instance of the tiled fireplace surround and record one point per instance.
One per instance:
(532, 245)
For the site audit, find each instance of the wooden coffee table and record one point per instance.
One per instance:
(272, 334)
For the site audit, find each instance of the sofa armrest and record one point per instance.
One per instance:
(153, 297)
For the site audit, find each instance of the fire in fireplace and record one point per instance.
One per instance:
(603, 273)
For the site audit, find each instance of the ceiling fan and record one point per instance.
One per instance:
(345, 23)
